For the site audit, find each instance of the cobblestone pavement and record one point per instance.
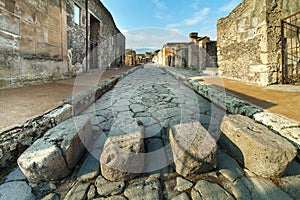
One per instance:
(156, 100)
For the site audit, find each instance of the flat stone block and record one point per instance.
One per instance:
(255, 146)
(194, 149)
(53, 156)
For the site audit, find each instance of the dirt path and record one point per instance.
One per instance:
(283, 100)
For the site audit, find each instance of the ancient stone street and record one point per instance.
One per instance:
(151, 136)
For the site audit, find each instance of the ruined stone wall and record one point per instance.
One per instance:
(33, 40)
(111, 42)
(40, 41)
(249, 44)
(242, 43)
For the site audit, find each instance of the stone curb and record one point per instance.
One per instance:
(283, 126)
(15, 140)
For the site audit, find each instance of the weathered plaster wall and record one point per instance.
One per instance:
(111, 42)
(32, 41)
(249, 41)
(40, 41)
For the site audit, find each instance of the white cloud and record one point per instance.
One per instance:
(153, 38)
(230, 6)
(160, 4)
(197, 17)
(195, 4)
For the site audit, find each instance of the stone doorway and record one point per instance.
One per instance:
(94, 42)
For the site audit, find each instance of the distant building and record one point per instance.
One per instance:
(199, 53)
(42, 41)
(130, 57)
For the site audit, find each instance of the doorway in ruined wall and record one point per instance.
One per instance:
(290, 35)
(94, 42)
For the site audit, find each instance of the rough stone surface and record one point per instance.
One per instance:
(16, 190)
(288, 128)
(249, 47)
(207, 190)
(182, 184)
(89, 169)
(228, 167)
(15, 175)
(194, 149)
(78, 191)
(112, 198)
(148, 189)
(53, 156)
(182, 196)
(106, 188)
(240, 191)
(262, 189)
(122, 157)
(291, 185)
(51, 196)
(255, 146)
(92, 192)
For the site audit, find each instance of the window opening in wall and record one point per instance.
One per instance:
(77, 14)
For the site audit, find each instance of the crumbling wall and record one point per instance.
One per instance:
(249, 43)
(32, 40)
(40, 41)
(111, 42)
(242, 43)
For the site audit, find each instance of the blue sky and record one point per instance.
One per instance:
(152, 23)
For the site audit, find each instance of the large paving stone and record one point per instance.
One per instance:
(123, 155)
(194, 149)
(89, 169)
(229, 167)
(182, 184)
(18, 190)
(291, 185)
(148, 189)
(261, 189)
(53, 156)
(209, 191)
(78, 191)
(15, 175)
(106, 188)
(255, 146)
